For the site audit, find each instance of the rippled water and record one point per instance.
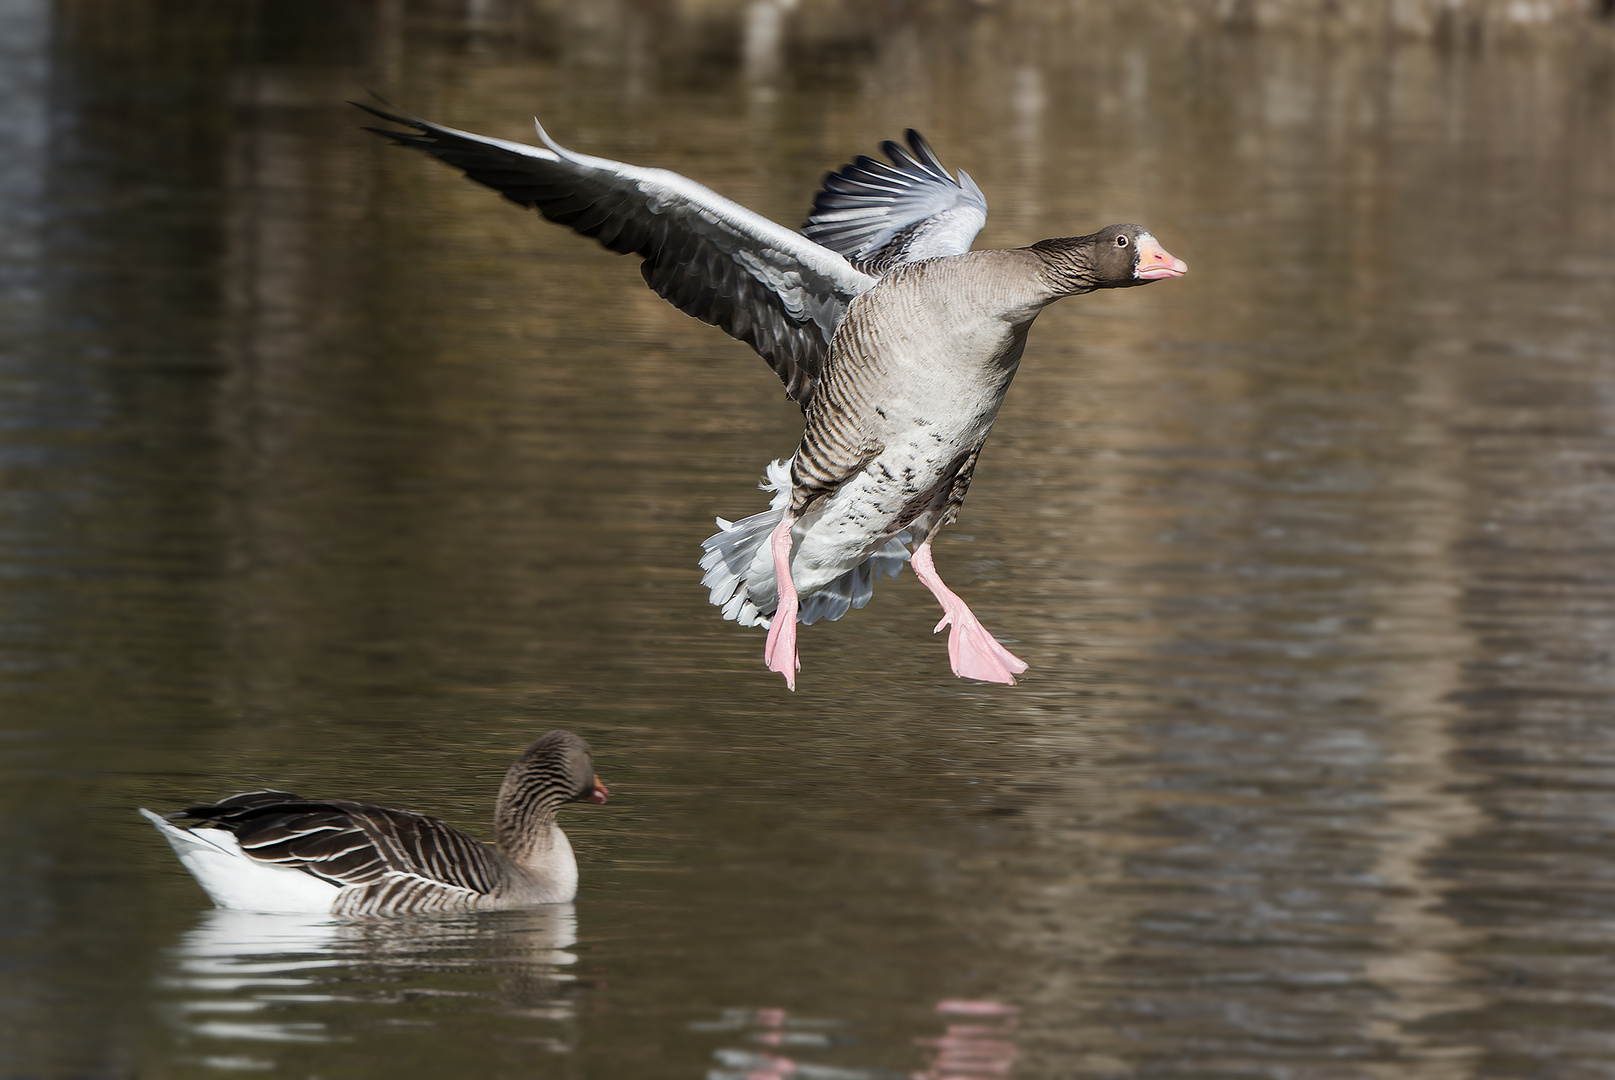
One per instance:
(321, 468)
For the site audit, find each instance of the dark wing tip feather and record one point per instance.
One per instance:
(921, 163)
(422, 134)
(898, 155)
(924, 155)
(391, 133)
(392, 114)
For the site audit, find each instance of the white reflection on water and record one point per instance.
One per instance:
(233, 955)
(257, 980)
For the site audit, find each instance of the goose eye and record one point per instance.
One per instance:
(1121, 240)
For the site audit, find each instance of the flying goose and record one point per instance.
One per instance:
(272, 851)
(896, 339)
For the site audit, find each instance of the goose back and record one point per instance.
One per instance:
(380, 861)
(383, 861)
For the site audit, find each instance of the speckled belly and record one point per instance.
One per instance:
(904, 483)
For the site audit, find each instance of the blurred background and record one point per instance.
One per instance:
(324, 469)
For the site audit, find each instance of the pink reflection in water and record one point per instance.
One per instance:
(773, 1068)
(973, 1051)
(977, 1043)
(768, 1066)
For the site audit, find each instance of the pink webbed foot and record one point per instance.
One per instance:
(972, 651)
(780, 652)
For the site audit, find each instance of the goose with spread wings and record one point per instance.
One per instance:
(896, 339)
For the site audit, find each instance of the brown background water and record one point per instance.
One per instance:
(321, 468)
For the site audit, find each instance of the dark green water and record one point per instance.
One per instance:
(324, 469)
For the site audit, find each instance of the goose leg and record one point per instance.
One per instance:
(972, 651)
(780, 652)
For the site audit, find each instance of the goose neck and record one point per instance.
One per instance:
(524, 817)
(1067, 267)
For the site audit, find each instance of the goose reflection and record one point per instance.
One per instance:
(240, 984)
(977, 1043)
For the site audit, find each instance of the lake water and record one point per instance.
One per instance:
(324, 469)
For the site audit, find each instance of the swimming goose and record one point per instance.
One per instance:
(272, 851)
(897, 340)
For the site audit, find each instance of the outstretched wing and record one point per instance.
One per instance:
(711, 257)
(401, 860)
(880, 216)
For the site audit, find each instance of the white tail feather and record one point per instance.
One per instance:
(728, 557)
(233, 879)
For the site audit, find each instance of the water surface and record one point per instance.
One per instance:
(321, 468)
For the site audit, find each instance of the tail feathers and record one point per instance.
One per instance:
(184, 841)
(854, 588)
(729, 555)
(727, 559)
(232, 879)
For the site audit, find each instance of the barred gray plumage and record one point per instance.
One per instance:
(381, 861)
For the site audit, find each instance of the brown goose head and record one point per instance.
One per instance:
(557, 769)
(1115, 257)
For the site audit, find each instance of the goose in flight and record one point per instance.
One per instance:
(273, 851)
(896, 339)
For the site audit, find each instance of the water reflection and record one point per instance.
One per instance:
(978, 1043)
(240, 984)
